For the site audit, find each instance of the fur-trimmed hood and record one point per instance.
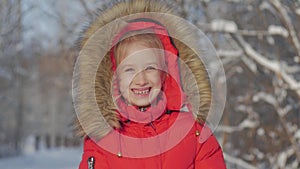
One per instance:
(92, 78)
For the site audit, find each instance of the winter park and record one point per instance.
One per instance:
(248, 49)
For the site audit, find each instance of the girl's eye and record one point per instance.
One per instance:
(150, 68)
(129, 70)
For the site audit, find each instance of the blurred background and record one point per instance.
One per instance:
(258, 42)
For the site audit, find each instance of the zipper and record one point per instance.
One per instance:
(91, 162)
(153, 127)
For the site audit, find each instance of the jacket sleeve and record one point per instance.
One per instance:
(93, 157)
(209, 155)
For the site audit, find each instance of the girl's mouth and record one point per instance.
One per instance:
(141, 91)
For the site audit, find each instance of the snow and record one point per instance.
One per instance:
(261, 132)
(291, 127)
(271, 65)
(264, 96)
(297, 134)
(224, 25)
(296, 59)
(266, 6)
(298, 11)
(260, 155)
(238, 161)
(46, 159)
(283, 156)
(282, 159)
(285, 110)
(270, 40)
(250, 64)
(247, 123)
(230, 53)
(29, 147)
(278, 30)
(241, 107)
(234, 1)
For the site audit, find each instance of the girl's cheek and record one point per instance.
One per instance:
(159, 77)
(124, 83)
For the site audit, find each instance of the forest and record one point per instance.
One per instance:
(257, 42)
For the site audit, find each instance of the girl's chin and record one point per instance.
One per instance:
(140, 103)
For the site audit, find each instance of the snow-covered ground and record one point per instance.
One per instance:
(45, 159)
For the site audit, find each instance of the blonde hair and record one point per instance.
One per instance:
(147, 39)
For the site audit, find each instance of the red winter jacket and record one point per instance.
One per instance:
(189, 153)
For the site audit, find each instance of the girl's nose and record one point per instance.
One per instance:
(140, 79)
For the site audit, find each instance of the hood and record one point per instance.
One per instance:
(93, 74)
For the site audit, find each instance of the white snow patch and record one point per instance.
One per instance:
(261, 132)
(258, 153)
(248, 124)
(242, 108)
(250, 63)
(230, 53)
(234, 1)
(265, 6)
(248, 157)
(224, 25)
(282, 159)
(50, 159)
(297, 59)
(291, 127)
(297, 134)
(29, 145)
(298, 11)
(283, 156)
(264, 96)
(285, 110)
(270, 40)
(278, 30)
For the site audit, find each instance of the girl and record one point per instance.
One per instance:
(145, 95)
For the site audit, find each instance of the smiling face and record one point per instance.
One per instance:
(140, 74)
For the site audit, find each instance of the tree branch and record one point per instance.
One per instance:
(272, 65)
(243, 32)
(238, 161)
(281, 112)
(288, 23)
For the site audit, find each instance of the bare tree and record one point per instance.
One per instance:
(258, 43)
(13, 71)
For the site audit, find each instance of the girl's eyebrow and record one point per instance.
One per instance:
(132, 64)
(151, 63)
(126, 65)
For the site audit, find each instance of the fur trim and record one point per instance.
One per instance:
(90, 123)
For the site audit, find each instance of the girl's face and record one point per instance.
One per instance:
(140, 74)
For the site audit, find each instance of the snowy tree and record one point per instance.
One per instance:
(13, 72)
(258, 43)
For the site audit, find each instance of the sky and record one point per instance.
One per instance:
(41, 20)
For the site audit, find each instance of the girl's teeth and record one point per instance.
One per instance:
(142, 92)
